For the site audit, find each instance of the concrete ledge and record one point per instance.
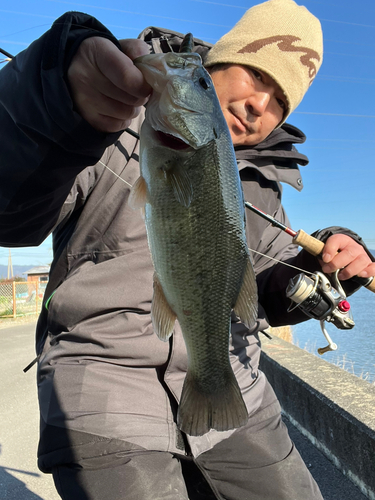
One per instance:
(333, 408)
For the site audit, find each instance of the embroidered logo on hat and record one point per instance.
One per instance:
(285, 43)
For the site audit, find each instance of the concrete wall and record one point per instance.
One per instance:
(333, 408)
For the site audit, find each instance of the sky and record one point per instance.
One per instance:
(337, 114)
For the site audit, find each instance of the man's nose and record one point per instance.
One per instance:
(258, 102)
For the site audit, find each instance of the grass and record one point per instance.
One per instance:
(342, 362)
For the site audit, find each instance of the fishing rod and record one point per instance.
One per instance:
(6, 54)
(309, 243)
(315, 295)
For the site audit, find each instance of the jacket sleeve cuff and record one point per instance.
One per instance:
(60, 45)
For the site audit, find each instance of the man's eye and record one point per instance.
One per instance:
(256, 73)
(282, 104)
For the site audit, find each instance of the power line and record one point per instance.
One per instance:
(162, 17)
(110, 9)
(26, 14)
(340, 140)
(221, 4)
(344, 79)
(245, 8)
(190, 21)
(342, 22)
(348, 55)
(332, 114)
(347, 43)
(15, 43)
(343, 149)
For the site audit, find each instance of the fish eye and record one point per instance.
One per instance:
(203, 83)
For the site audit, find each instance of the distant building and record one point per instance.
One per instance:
(38, 273)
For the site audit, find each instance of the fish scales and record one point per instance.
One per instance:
(194, 214)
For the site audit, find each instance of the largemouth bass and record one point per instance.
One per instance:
(194, 212)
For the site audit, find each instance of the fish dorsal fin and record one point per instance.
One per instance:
(187, 44)
(247, 301)
(138, 194)
(179, 179)
(163, 318)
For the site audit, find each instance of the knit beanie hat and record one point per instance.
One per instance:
(280, 38)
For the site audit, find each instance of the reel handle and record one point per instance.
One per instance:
(315, 247)
(323, 350)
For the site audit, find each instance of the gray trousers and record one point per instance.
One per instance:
(258, 462)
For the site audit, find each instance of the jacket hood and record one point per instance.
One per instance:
(276, 158)
(279, 145)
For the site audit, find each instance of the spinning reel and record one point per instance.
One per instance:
(318, 299)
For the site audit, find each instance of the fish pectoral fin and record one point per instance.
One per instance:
(247, 301)
(180, 181)
(138, 194)
(162, 316)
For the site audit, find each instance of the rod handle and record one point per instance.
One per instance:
(315, 247)
(371, 286)
(309, 243)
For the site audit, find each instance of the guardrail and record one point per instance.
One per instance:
(331, 407)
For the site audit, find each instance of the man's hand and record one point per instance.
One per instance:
(342, 252)
(107, 89)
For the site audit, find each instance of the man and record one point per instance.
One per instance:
(108, 388)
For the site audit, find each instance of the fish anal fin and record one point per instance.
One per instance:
(179, 179)
(200, 411)
(246, 306)
(163, 318)
(138, 194)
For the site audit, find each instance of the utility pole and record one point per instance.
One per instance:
(10, 267)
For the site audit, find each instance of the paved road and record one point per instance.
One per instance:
(20, 478)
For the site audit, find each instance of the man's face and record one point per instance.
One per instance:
(253, 104)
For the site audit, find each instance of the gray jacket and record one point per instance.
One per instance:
(102, 373)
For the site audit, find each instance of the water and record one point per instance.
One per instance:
(356, 347)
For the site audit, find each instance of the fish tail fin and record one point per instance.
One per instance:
(200, 411)
(247, 301)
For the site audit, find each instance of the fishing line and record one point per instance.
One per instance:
(114, 173)
(134, 134)
(281, 262)
(251, 250)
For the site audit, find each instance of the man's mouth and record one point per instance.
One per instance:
(239, 123)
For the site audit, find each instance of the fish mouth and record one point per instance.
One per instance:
(172, 142)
